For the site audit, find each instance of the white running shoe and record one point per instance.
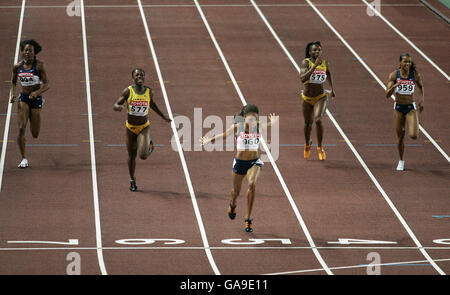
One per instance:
(23, 164)
(401, 165)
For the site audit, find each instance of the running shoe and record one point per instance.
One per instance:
(248, 225)
(307, 150)
(23, 164)
(401, 165)
(322, 155)
(133, 186)
(231, 211)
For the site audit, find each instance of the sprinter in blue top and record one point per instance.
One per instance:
(402, 83)
(34, 81)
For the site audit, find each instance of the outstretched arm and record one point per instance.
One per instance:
(231, 130)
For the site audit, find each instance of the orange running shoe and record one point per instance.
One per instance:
(307, 150)
(322, 155)
(231, 211)
(248, 225)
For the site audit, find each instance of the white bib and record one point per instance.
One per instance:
(247, 141)
(406, 87)
(28, 79)
(138, 108)
(318, 77)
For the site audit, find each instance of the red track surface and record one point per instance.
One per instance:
(53, 199)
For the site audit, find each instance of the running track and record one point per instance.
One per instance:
(184, 195)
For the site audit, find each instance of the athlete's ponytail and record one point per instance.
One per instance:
(308, 47)
(413, 65)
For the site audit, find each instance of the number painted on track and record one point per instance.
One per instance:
(359, 241)
(442, 241)
(70, 243)
(149, 241)
(254, 241)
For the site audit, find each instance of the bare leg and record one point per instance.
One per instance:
(131, 140)
(144, 143)
(252, 177)
(308, 111)
(412, 119)
(23, 114)
(399, 121)
(35, 122)
(237, 185)
(319, 110)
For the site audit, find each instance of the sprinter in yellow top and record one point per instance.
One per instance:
(139, 99)
(314, 71)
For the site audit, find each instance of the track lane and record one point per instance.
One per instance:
(43, 203)
(259, 64)
(197, 79)
(161, 209)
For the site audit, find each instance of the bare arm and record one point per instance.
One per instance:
(118, 105)
(231, 130)
(419, 82)
(391, 85)
(273, 119)
(154, 107)
(330, 80)
(305, 71)
(45, 85)
(14, 83)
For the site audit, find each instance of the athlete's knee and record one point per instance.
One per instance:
(35, 134)
(252, 186)
(22, 129)
(318, 120)
(143, 156)
(308, 124)
(413, 136)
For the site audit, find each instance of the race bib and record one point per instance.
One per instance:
(248, 141)
(318, 77)
(406, 87)
(138, 108)
(28, 79)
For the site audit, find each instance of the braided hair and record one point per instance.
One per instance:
(308, 47)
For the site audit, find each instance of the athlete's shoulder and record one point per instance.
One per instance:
(393, 75)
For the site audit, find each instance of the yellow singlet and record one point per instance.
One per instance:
(138, 104)
(319, 75)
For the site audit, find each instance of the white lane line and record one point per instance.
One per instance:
(404, 263)
(8, 112)
(98, 231)
(266, 149)
(408, 41)
(217, 248)
(344, 136)
(372, 73)
(180, 149)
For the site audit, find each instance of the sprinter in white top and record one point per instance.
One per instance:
(246, 163)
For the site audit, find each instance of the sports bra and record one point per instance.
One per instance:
(407, 85)
(248, 141)
(319, 75)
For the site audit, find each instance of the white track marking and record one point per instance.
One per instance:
(179, 147)
(217, 248)
(8, 113)
(266, 149)
(205, 5)
(372, 73)
(98, 231)
(377, 13)
(344, 136)
(356, 266)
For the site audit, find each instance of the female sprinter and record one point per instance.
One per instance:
(314, 72)
(402, 82)
(34, 81)
(246, 163)
(138, 98)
